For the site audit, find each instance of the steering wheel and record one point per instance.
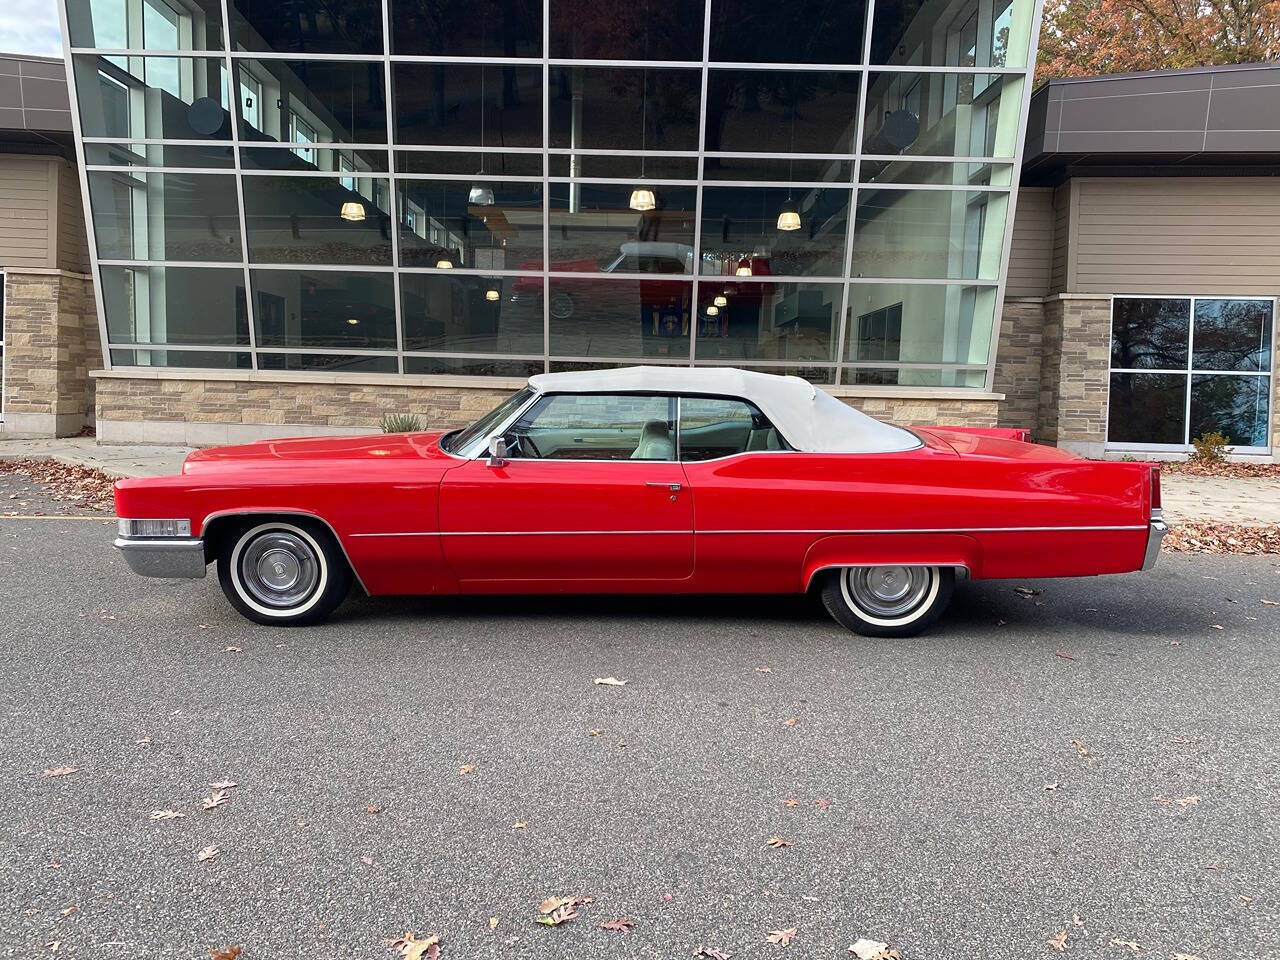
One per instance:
(526, 443)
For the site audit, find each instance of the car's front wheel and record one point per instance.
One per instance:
(887, 601)
(284, 573)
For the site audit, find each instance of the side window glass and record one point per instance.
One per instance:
(595, 427)
(711, 428)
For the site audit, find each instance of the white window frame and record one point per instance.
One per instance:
(4, 357)
(1189, 372)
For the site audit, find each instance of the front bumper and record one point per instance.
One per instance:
(1155, 534)
(177, 559)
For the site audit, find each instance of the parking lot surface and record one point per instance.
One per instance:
(1098, 758)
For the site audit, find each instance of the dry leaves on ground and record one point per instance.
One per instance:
(1131, 944)
(79, 486)
(208, 853)
(466, 769)
(223, 785)
(226, 953)
(1207, 536)
(713, 954)
(1081, 748)
(58, 771)
(166, 814)
(215, 799)
(781, 937)
(610, 682)
(558, 910)
(411, 948)
(789, 722)
(777, 843)
(865, 949)
(1241, 471)
(620, 924)
(1185, 956)
(1059, 942)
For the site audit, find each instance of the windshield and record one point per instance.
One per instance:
(460, 440)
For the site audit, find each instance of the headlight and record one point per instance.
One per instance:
(154, 528)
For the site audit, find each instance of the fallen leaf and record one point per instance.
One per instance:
(777, 843)
(1117, 942)
(789, 722)
(1027, 592)
(519, 825)
(1246, 900)
(411, 948)
(623, 925)
(59, 771)
(208, 853)
(595, 731)
(560, 915)
(1180, 740)
(1187, 801)
(791, 803)
(764, 669)
(223, 785)
(1075, 918)
(1214, 868)
(166, 814)
(782, 937)
(142, 742)
(372, 809)
(1059, 942)
(466, 769)
(666, 898)
(1215, 626)
(233, 650)
(1063, 655)
(493, 922)
(610, 682)
(53, 945)
(30, 911)
(215, 799)
(713, 954)
(1050, 787)
(67, 911)
(226, 953)
(1185, 956)
(865, 949)
(367, 861)
(1081, 748)
(822, 804)
(1270, 603)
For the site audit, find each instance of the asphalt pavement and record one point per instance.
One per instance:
(1099, 758)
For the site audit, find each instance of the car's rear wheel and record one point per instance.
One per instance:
(562, 305)
(284, 572)
(888, 601)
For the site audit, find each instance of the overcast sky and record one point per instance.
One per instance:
(30, 26)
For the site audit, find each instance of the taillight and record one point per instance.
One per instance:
(1155, 490)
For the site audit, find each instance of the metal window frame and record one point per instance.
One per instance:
(1190, 371)
(232, 57)
(4, 358)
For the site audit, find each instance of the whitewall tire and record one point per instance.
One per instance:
(887, 601)
(284, 572)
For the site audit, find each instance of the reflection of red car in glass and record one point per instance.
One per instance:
(640, 256)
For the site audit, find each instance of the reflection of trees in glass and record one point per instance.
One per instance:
(1232, 335)
(1235, 406)
(643, 30)
(1147, 408)
(1149, 333)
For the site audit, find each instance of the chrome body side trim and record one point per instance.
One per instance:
(1155, 535)
(814, 532)
(175, 559)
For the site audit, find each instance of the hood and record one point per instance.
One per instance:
(367, 447)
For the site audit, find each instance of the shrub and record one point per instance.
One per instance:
(1211, 448)
(400, 423)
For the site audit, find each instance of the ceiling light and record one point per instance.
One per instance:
(352, 210)
(492, 294)
(444, 263)
(713, 311)
(721, 300)
(642, 199)
(789, 216)
(353, 321)
(481, 194)
(744, 268)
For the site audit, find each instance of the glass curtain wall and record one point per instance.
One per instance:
(510, 186)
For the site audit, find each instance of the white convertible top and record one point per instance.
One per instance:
(808, 417)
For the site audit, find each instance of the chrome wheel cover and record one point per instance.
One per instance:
(279, 569)
(888, 592)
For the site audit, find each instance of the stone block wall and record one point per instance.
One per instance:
(1076, 349)
(202, 412)
(1018, 358)
(51, 343)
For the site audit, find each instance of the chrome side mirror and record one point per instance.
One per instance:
(497, 452)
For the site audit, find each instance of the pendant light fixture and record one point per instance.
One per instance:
(713, 311)
(642, 198)
(492, 294)
(744, 268)
(445, 261)
(481, 194)
(721, 300)
(789, 215)
(352, 210)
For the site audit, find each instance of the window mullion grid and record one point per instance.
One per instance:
(697, 201)
(546, 185)
(1191, 347)
(233, 102)
(393, 192)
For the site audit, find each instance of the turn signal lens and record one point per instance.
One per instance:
(154, 528)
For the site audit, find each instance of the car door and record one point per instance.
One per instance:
(591, 497)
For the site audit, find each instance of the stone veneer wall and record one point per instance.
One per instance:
(51, 342)
(201, 412)
(1018, 358)
(1076, 350)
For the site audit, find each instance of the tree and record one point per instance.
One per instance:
(1089, 37)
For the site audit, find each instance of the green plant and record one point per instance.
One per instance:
(1211, 448)
(400, 423)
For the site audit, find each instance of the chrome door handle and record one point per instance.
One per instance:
(673, 487)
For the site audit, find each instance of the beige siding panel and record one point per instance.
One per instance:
(1178, 235)
(24, 211)
(73, 245)
(1061, 238)
(1031, 252)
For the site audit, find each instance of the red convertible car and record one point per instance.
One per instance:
(644, 480)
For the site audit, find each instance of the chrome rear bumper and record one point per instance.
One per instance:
(1155, 534)
(176, 559)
